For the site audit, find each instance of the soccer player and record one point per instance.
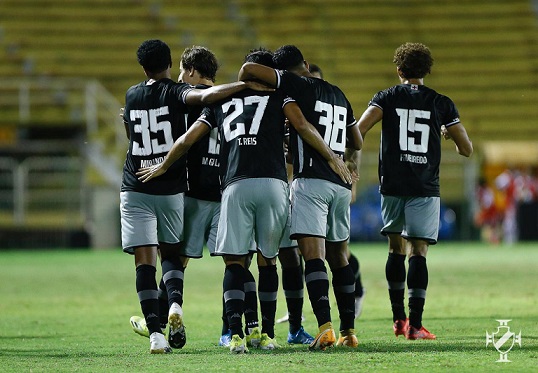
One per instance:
(254, 193)
(152, 213)
(316, 71)
(413, 119)
(320, 199)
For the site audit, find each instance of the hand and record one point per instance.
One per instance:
(444, 133)
(257, 86)
(338, 165)
(145, 174)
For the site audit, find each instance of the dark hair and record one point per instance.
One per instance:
(202, 60)
(413, 59)
(316, 69)
(287, 57)
(262, 56)
(154, 56)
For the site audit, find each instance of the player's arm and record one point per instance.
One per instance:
(219, 92)
(180, 147)
(311, 136)
(369, 118)
(458, 134)
(251, 70)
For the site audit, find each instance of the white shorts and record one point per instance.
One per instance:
(147, 219)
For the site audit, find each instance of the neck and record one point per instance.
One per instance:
(412, 81)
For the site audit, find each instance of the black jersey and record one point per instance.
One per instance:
(326, 107)
(251, 127)
(410, 151)
(203, 162)
(156, 115)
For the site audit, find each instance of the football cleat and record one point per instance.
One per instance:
(225, 339)
(358, 304)
(324, 339)
(139, 326)
(347, 338)
(400, 327)
(286, 318)
(300, 337)
(158, 344)
(237, 345)
(422, 333)
(267, 343)
(253, 338)
(176, 333)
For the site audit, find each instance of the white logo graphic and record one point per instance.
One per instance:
(503, 340)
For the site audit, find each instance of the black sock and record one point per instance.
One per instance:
(267, 293)
(417, 283)
(163, 304)
(251, 302)
(173, 273)
(234, 297)
(146, 287)
(344, 292)
(317, 283)
(355, 266)
(395, 275)
(293, 285)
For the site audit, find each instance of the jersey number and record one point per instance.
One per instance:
(149, 123)
(408, 124)
(335, 125)
(238, 104)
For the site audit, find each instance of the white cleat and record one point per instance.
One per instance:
(159, 344)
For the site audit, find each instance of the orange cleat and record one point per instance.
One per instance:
(348, 338)
(422, 333)
(325, 338)
(400, 327)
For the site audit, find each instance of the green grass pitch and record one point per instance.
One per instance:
(68, 311)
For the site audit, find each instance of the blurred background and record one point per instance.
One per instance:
(65, 66)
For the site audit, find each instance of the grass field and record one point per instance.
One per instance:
(67, 311)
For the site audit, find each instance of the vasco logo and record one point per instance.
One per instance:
(503, 340)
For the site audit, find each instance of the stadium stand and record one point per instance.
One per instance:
(486, 56)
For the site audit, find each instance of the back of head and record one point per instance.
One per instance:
(154, 56)
(414, 60)
(202, 60)
(261, 56)
(315, 70)
(288, 57)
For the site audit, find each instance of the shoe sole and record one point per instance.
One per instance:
(320, 344)
(161, 351)
(177, 337)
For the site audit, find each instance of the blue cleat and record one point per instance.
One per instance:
(301, 337)
(225, 339)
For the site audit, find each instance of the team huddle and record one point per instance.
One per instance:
(207, 166)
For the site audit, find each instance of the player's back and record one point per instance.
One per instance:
(410, 151)
(156, 116)
(326, 107)
(252, 129)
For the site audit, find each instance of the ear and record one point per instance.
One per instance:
(306, 64)
(191, 71)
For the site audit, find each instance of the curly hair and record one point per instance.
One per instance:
(414, 60)
(202, 60)
(260, 55)
(154, 56)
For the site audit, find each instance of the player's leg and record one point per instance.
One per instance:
(343, 283)
(234, 300)
(252, 329)
(393, 215)
(271, 216)
(138, 228)
(293, 285)
(359, 289)
(422, 228)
